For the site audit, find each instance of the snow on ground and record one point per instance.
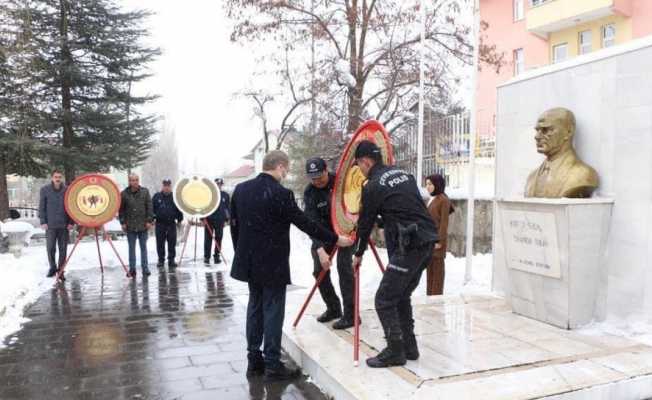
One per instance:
(302, 266)
(637, 327)
(24, 278)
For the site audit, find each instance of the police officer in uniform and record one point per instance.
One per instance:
(166, 215)
(410, 235)
(317, 198)
(216, 221)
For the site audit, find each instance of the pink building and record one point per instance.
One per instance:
(534, 33)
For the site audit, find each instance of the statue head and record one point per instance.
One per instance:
(555, 129)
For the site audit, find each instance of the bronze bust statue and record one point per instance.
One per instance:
(562, 174)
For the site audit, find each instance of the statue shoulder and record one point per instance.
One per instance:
(584, 173)
(583, 180)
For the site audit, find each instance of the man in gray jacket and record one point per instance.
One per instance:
(136, 217)
(54, 220)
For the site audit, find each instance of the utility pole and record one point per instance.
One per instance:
(422, 53)
(470, 215)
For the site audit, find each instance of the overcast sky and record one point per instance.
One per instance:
(197, 75)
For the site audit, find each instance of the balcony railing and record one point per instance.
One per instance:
(547, 16)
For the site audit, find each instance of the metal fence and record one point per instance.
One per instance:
(445, 145)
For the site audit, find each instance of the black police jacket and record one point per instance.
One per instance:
(165, 211)
(393, 194)
(318, 208)
(222, 213)
(261, 213)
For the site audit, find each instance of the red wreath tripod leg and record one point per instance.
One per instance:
(185, 242)
(356, 315)
(377, 256)
(124, 266)
(320, 278)
(99, 254)
(82, 232)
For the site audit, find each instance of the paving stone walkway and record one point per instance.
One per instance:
(176, 335)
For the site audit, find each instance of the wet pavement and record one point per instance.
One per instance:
(175, 335)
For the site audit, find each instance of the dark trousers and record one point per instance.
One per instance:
(265, 315)
(166, 233)
(56, 237)
(218, 231)
(142, 241)
(393, 298)
(345, 272)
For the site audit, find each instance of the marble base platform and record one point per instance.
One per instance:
(553, 251)
(472, 347)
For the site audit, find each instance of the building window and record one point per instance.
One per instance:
(608, 35)
(518, 10)
(559, 52)
(586, 39)
(519, 62)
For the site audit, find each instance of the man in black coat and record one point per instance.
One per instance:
(261, 213)
(166, 216)
(410, 235)
(317, 199)
(216, 223)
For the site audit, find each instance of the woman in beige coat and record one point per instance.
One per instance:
(439, 208)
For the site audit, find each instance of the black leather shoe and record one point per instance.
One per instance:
(207, 260)
(393, 355)
(172, 264)
(217, 259)
(329, 315)
(160, 264)
(255, 368)
(281, 373)
(146, 273)
(51, 273)
(411, 348)
(344, 323)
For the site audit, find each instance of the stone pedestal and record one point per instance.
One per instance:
(553, 251)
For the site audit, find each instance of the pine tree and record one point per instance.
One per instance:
(83, 58)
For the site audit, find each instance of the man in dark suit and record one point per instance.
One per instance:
(261, 213)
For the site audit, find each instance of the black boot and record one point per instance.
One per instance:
(52, 272)
(217, 259)
(160, 264)
(411, 348)
(172, 264)
(207, 260)
(392, 355)
(255, 366)
(329, 315)
(345, 322)
(281, 373)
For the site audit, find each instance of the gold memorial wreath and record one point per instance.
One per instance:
(92, 200)
(349, 181)
(197, 196)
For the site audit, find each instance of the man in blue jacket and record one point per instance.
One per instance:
(262, 211)
(166, 216)
(54, 220)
